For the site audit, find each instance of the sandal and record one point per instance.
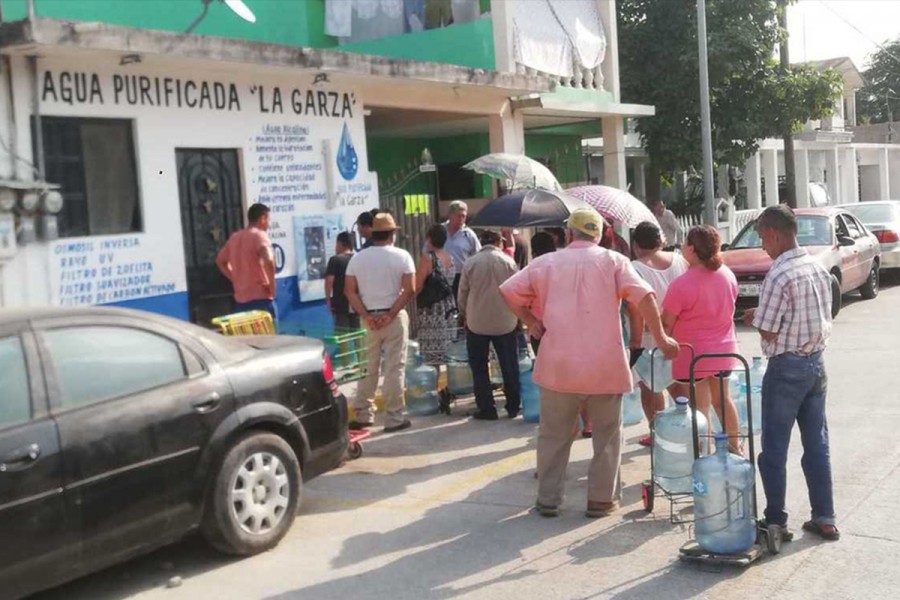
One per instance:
(816, 529)
(645, 441)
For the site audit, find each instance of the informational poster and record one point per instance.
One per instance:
(314, 241)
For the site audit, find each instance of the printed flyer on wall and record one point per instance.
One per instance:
(314, 238)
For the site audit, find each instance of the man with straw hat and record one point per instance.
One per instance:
(578, 290)
(380, 282)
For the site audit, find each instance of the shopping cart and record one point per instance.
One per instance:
(346, 347)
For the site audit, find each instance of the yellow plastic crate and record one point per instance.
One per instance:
(253, 322)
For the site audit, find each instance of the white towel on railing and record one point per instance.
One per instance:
(581, 22)
(539, 41)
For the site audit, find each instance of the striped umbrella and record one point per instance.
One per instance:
(614, 204)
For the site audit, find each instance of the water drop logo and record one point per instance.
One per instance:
(347, 160)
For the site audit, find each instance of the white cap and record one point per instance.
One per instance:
(681, 400)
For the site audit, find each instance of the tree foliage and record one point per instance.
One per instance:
(751, 96)
(879, 99)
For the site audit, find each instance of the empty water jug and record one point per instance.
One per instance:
(654, 368)
(496, 373)
(673, 447)
(531, 394)
(723, 488)
(757, 373)
(459, 375)
(421, 390)
(632, 410)
(736, 385)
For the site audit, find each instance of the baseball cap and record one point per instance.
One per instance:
(586, 220)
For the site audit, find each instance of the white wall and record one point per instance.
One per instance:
(34, 276)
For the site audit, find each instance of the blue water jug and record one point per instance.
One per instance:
(757, 372)
(531, 394)
(673, 446)
(723, 488)
(736, 385)
(421, 390)
(459, 375)
(632, 410)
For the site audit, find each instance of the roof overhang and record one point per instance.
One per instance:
(384, 81)
(579, 103)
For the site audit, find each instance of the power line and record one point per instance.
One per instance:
(859, 31)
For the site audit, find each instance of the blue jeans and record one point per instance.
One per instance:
(507, 348)
(794, 389)
(266, 305)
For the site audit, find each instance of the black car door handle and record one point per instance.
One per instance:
(208, 404)
(20, 459)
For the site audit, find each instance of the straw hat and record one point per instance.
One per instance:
(384, 222)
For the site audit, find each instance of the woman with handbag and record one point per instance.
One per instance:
(437, 314)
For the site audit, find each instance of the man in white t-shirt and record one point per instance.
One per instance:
(667, 222)
(380, 282)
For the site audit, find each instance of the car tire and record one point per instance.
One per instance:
(869, 289)
(254, 497)
(836, 299)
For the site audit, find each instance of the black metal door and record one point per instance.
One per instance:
(209, 189)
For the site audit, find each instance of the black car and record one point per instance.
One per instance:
(121, 431)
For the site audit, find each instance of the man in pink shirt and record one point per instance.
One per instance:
(247, 261)
(579, 290)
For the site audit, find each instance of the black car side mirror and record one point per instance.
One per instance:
(725, 247)
(843, 240)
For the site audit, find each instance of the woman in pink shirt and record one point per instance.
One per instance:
(698, 310)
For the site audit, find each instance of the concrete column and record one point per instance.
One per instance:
(754, 185)
(722, 181)
(614, 174)
(884, 175)
(832, 176)
(502, 22)
(770, 172)
(801, 176)
(640, 178)
(507, 132)
(849, 177)
(610, 65)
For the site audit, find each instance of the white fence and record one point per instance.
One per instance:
(728, 229)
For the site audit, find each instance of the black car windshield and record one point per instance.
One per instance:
(871, 214)
(811, 231)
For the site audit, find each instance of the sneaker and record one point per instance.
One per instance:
(596, 510)
(406, 424)
(546, 510)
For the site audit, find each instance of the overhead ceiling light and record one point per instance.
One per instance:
(526, 101)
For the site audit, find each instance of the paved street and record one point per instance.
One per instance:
(442, 511)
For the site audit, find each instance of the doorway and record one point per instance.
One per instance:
(209, 190)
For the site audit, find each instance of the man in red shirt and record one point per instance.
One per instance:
(248, 262)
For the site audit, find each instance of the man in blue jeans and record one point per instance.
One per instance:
(794, 321)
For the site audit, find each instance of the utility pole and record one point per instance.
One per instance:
(791, 188)
(710, 214)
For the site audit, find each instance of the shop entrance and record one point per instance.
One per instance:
(209, 190)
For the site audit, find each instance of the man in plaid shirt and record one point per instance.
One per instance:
(794, 321)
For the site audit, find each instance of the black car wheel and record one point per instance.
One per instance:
(255, 495)
(836, 299)
(869, 289)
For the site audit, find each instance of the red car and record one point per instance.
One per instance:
(833, 236)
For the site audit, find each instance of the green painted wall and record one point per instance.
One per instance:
(288, 22)
(465, 44)
(393, 158)
(561, 153)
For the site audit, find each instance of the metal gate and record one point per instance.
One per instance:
(415, 213)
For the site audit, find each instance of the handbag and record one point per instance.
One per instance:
(436, 287)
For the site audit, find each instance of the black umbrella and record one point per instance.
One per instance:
(528, 208)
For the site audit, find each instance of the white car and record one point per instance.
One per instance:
(882, 218)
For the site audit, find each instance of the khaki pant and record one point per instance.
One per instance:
(558, 414)
(393, 340)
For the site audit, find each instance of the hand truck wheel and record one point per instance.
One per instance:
(648, 495)
(354, 450)
(774, 537)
